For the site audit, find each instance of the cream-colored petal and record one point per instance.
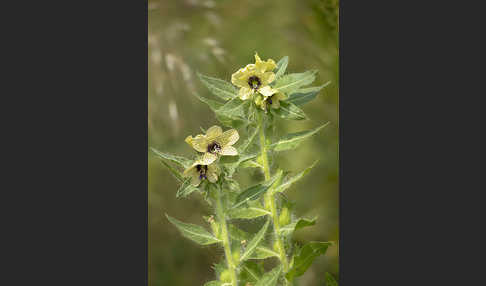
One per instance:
(207, 158)
(229, 137)
(280, 96)
(213, 172)
(200, 143)
(267, 91)
(228, 151)
(213, 132)
(275, 103)
(240, 77)
(189, 140)
(188, 171)
(195, 179)
(264, 66)
(267, 78)
(245, 93)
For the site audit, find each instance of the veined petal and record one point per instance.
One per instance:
(267, 78)
(200, 143)
(213, 172)
(267, 91)
(189, 140)
(264, 66)
(240, 77)
(207, 159)
(228, 151)
(229, 137)
(213, 132)
(245, 93)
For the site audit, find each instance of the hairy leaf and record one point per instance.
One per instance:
(244, 146)
(232, 162)
(330, 281)
(292, 82)
(254, 192)
(173, 171)
(184, 162)
(186, 189)
(252, 245)
(247, 213)
(285, 185)
(237, 234)
(290, 111)
(213, 104)
(262, 252)
(251, 271)
(270, 278)
(282, 66)
(293, 140)
(305, 95)
(300, 223)
(305, 257)
(219, 87)
(194, 232)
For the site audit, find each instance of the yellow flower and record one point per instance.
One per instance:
(200, 171)
(272, 100)
(214, 142)
(255, 78)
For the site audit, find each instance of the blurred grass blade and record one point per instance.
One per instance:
(194, 232)
(270, 278)
(294, 179)
(184, 162)
(292, 82)
(214, 283)
(219, 87)
(305, 257)
(252, 245)
(282, 66)
(292, 140)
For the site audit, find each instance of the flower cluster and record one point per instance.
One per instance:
(212, 144)
(254, 82)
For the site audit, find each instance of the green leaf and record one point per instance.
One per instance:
(237, 234)
(247, 213)
(252, 245)
(262, 252)
(330, 281)
(184, 162)
(288, 110)
(194, 232)
(219, 87)
(300, 223)
(233, 113)
(293, 140)
(185, 189)
(213, 104)
(292, 82)
(173, 171)
(305, 257)
(285, 185)
(242, 148)
(251, 271)
(282, 66)
(270, 278)
(305, 95)
(231, 163)
(214, 283)
(254, 192)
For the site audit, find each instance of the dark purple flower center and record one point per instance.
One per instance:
(202, 169)
(214, 147)
(254, 82)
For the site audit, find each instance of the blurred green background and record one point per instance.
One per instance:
(216, 38)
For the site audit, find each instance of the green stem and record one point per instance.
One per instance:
(270, 200)
(225, 236)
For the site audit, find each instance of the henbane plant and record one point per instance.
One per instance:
(258, 95)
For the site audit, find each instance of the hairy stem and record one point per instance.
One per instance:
(270, 200)
(225, 236)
